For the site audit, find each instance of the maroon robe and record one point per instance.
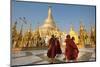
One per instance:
(71, 50)
(52, 48)
(58, 49)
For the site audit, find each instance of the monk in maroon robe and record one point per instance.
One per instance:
(71, 50)
(76, 51)
(52, 49)
(58, 48)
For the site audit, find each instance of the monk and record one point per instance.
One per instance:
(58, 48)
(52, 49)
(71, 50)
(76, 51)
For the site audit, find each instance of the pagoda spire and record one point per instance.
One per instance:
(71, 27)
(50, 13)
(81, 25)
(49, 21)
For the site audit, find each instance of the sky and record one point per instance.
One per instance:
(64, 15)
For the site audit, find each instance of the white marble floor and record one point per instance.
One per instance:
(39, 57)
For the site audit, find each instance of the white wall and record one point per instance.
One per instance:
(5, 32)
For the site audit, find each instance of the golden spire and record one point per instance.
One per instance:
(81, 25)
(71, 27)
(50, 13)
(73, 33)
(49, 22)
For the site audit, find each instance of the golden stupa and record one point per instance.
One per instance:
(73, 34)
(49, 27)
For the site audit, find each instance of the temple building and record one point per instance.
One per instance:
(81, 35)
(73, 34)
(14, 34)
(93, 36)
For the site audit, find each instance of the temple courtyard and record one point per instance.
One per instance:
(33, 57)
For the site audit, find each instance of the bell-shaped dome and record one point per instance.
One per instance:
(49, 22)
